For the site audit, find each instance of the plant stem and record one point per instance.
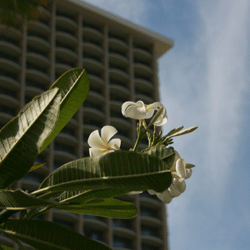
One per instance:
(140, 134)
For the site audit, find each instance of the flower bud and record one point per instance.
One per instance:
(181, 168)
(180, 185)
(151, 192)
(174, 192)
(165, 196)
(189, 173)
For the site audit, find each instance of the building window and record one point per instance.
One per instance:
(69, 131)
(122, 223)
(7, 110)
(65, 148)
(151, 231)
(148, 247)
(122, 242)
(8, 92)
(93, 234)
(145, 211)
(32, 176)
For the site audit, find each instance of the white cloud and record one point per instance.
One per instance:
(225, 42)
(204, 84)
(206, 87)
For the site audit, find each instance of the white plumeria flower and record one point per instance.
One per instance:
(102, 144)
(178, 185)
(140, 111)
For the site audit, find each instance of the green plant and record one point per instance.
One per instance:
(87, 185)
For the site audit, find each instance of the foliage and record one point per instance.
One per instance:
(11, 11)
(85, 186)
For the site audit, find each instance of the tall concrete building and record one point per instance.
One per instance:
(120, 58)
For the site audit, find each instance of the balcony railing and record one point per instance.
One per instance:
(8, 74)
(89, 40)
(141, 47)
(122, 223)
(71, 32)
(36, 85)
(122, 242)
(142, 77)
(35, 67)
(147, 230)
(66, 62)
(143, 62)
(37, 34)
(9, 40)
(89, 121)
(8, 92)
(90, 25)
(65, 148)
(60, 13)
(7, 110)
(145, 211)
(116, 51)
(62, 45)
(32, 176)
(68, 131)
(7, 56)
(37, 51)
(92, 105)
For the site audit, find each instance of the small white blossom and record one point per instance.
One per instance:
(102, 144)
(165, 196)
(138, 110)
(178, 185)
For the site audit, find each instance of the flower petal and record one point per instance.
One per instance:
(107, 132)
(115, 143)
(173, 190)
(189, 173)
(162, 119)
(95, 140)
(97, 151)
(151, 192)
(181, 168)
(134, 110)
(165, 196)
(180, 185)
(135, 192)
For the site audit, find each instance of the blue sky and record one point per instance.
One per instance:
(205, 81)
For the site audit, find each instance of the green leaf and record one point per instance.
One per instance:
(18, 200)
(161, 152)
(35, 167)
(2, 247)
(22, 137)
(74, 87)
(80, 197)
(126, 170)
(112, 208)
(46, 235)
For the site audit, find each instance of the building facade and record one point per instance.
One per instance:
(121, 60)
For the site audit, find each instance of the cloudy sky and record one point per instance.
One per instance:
(205, 81)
